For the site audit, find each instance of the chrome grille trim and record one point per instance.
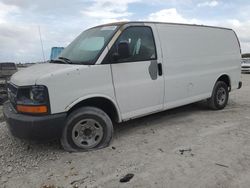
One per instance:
(12, 93)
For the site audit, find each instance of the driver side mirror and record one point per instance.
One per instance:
(122, 51)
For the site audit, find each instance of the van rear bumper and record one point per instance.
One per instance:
(46, 127)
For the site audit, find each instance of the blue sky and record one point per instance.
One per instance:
(62, 20)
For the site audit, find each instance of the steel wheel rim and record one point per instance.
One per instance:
(87, 133)
(221, 96)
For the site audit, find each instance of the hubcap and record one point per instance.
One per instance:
(221, 96)
(87, 133)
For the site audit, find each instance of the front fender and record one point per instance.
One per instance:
(75, 102)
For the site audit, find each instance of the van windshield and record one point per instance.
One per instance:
(88, 46)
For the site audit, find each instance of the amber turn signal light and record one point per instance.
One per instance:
(32, 109)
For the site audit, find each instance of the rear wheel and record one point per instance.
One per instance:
(219, 96)
(86, 129)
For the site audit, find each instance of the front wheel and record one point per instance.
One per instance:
(87, 128)
(219, 96)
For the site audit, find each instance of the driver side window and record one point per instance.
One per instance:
(140, 43)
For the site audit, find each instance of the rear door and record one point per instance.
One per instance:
(138, 80)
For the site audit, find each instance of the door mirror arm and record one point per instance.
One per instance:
(123, 52)
(115, 57)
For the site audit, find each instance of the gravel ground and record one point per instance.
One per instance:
(189, 146)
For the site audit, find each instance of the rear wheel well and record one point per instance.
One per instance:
(225, 78)
(99, 102)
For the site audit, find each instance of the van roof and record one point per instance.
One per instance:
(141, 22)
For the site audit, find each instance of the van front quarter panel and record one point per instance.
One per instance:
(65, 88)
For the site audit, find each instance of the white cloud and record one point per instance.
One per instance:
(5, 10)
(109, 10)
(19, 42)
(170, 15)
(208, 4)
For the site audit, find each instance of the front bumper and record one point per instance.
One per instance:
(34, 127)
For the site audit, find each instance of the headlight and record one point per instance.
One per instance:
(33, 99)
(38, 94)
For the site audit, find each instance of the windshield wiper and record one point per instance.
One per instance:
(57, 61)
(66, 60)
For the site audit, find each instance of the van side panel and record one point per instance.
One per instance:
(194, 58)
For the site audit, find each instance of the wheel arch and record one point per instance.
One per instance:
(105, 103)
(225, 78)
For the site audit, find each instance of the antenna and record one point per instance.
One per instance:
(41, 43)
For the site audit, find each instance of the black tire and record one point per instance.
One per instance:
(219, 96)
(70, 140)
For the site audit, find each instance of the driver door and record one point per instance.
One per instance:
(138, 80)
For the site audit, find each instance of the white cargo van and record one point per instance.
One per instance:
(120, 71)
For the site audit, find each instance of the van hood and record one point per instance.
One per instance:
(30, 75)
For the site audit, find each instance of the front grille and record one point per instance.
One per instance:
(12, 93)
(245, 67)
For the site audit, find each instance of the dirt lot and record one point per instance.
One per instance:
(216, 152)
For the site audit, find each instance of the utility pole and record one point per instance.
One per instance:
(41, 43)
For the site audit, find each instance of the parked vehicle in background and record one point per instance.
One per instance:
(245, 65)
(55, 52)
(121, 71)
(6, 71)
(246, 55)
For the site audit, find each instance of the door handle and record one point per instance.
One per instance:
(159, 69)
